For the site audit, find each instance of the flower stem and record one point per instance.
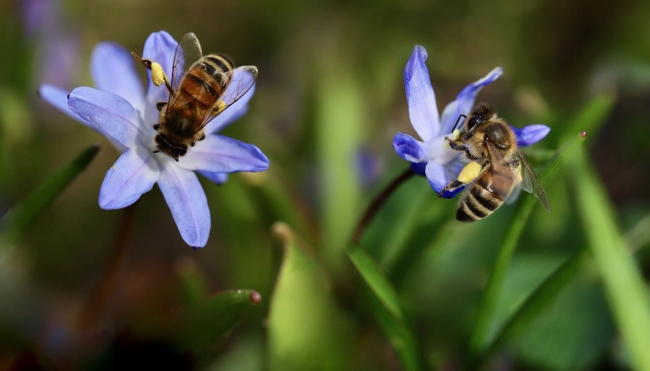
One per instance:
(377, 203)
(98, 299)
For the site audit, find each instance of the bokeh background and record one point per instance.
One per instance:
(330, 96)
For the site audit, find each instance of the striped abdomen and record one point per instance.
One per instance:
(486, 195)
(205, 82)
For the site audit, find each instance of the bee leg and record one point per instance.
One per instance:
(461, 148)
(451, 188)
(160, 105)
(156, 127)
(202, 137)
(193, 144)
(158, 75)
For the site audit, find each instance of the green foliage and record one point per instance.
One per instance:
(484, 327)
(386, 309)
(307, 329)
(16, 222)
(338, 129)
(622, 280)
(199, 325)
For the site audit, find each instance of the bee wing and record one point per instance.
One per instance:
(187, 53)
(241, 80)
(530, 183)
(503, 175)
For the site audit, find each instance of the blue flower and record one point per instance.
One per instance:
(432, 156)
(120, 111)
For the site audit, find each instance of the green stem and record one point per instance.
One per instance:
(377, 203)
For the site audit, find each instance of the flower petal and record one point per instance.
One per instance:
(218, 178)
(465, 100)
(133, 174)
(159, 47)
(420, 96)
(437, 176)
(217, 153)
(231, 114)
(109, 114)
(58, 97)
(531, 134)
(113, 70)
(409, 148)
(187, 202)
(441, 175)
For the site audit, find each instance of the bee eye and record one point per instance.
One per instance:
(473, 121)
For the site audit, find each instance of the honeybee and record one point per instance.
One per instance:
(201, 88)
(495, 169)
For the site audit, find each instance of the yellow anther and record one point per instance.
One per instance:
(469, 172)
(158, 76)
(455, 134)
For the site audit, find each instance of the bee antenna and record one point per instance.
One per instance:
(457, 121)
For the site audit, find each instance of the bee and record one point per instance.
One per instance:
(201, 87)
(495, 169)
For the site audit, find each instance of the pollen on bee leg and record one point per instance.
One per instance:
(469, 172)
(158, 76)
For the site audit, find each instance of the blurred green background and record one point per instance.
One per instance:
(330, 97)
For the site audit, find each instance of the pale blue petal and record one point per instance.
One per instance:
(437, 176)
(187, 202)
(159, 47)
(133, 174)
(220, 154)
(420, 96)
(113, 70)
(465, 100)
(58, 98)
(409, 148)
(109, 114)
(218, 178)
(531, 134)
(441, 175)
(231, 114)
(453, 169)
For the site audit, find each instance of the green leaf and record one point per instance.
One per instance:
(577, 314)
(626, 292)
(375, 279)
(14, 224)
(386, 309)
(339, 121)
(535, 303)
(202, 323)
(307, 330)
(485, 326)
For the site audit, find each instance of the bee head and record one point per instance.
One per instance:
(482, 113)
(169, 147)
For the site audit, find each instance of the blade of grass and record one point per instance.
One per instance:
(14, 224)
(484, 326)
(548, 290)
(624, 287)
(536, 302)
(386, 309)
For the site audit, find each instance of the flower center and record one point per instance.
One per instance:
(440, 152)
